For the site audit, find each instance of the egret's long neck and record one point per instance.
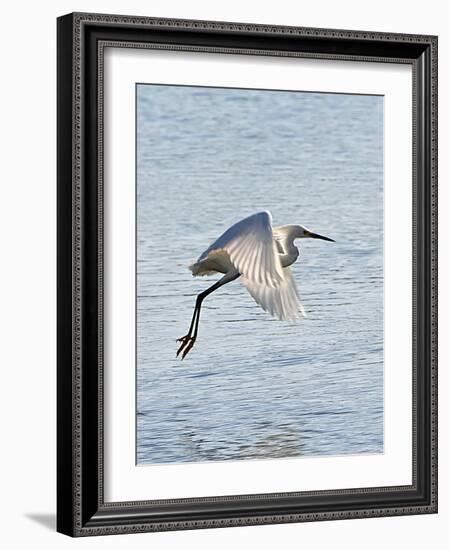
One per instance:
(291, 252)
(290, 244)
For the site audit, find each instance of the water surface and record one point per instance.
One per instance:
(255, 387)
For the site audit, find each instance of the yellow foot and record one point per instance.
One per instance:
(186, 345)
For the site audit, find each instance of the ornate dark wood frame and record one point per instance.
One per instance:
(81, 509)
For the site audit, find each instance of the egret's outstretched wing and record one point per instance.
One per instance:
(281, 301)
(251, 249)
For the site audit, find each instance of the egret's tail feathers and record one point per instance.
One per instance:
(217, 261)
(281, 301)
(194, 268)
(198, 269)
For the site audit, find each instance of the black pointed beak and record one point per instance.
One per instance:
(316, 236)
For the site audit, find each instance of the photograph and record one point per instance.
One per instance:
(259, 274)
(247, 273)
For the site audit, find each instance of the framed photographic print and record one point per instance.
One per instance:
(247, 282)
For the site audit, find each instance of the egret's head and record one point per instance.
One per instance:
(304, 233)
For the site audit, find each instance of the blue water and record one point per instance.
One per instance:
(255, 387)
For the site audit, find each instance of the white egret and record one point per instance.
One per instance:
(261, 255)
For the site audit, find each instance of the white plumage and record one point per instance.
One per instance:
(261, 255)
(281, 301)
(250, 248)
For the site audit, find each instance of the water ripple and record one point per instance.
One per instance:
(253, 387)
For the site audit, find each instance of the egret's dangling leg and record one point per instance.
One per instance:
(189, 339)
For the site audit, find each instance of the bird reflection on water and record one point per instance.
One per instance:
(281, 442)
